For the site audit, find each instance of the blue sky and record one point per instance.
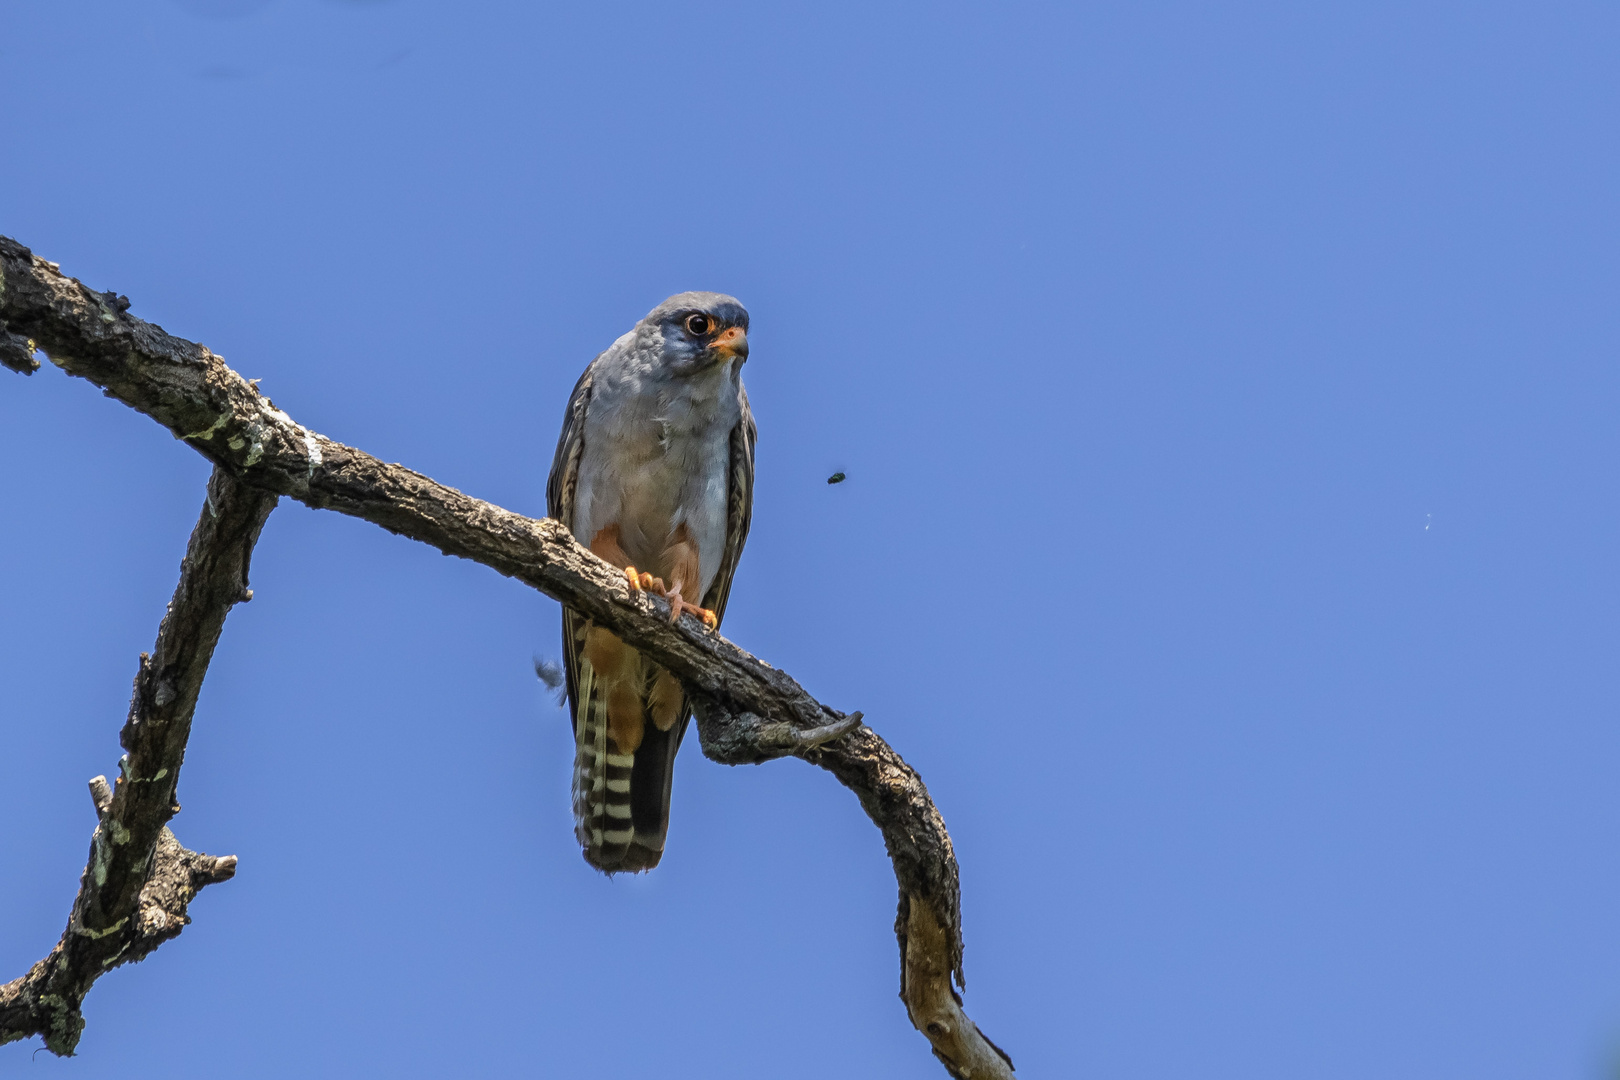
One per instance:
(1227, 395)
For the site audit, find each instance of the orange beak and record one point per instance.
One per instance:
(733, 341)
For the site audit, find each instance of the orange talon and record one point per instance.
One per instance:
(705, 616)
(635, 583)
(678, 606)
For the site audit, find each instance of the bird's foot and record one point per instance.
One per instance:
(677, 605)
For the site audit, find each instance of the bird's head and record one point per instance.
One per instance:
(699, 330)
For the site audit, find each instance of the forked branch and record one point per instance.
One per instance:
(138, 881)
(747, 710)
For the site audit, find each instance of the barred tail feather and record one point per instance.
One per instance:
(590, 727)
(620, 801)
(605, 785)
(601, 780)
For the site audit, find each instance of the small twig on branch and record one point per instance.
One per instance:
(744, 739)
(192, 392)
(138, 881)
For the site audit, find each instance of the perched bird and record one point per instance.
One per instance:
(655, 474)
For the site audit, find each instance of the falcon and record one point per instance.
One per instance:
(654, 473)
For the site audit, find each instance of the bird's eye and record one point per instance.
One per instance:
(698, 325)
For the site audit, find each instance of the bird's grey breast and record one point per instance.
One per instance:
(657, 455)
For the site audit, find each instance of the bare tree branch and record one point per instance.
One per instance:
(747, 710)
(135, 888)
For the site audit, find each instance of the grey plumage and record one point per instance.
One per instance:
(655, 469)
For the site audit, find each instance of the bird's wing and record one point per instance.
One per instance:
(560, 487)
(739, 505)
(570, 445)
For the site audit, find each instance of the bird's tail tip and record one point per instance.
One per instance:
(632, 858)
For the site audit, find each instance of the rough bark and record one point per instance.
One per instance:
(748, 710)
(17, 352)
(138, 881)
